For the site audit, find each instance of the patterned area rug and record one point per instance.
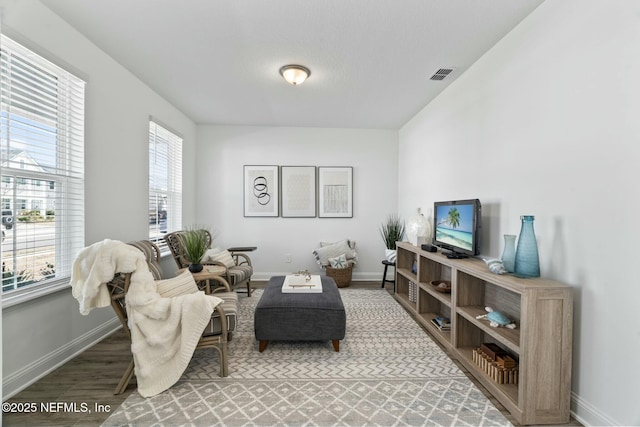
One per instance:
(388, 373)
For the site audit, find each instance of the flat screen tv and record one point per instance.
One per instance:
(456, 227)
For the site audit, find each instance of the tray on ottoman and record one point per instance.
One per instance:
(300, 316)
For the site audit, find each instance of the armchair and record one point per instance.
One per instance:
(237, 265)
(216, 334)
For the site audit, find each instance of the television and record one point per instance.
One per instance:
(456, 227)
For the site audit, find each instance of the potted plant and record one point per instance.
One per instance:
(392, 231)
(196, 243)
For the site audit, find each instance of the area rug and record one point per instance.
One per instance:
(388, 373)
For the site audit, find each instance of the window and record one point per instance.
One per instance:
(41, 139)
(165, 183)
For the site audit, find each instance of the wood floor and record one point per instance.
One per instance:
(91, 377)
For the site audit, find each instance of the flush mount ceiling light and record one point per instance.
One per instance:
(295, 74)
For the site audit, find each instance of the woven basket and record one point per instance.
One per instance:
(342, 276)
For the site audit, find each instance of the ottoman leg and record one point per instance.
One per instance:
(263, 345)
(336, 345)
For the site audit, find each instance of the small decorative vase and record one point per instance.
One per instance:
(195, 268)
(527, 262)
(390, 255)
(509, 252)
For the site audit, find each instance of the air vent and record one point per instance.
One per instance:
(442, 73)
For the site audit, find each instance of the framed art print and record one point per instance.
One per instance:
(261, 191)
(298, 191)
(335, 192)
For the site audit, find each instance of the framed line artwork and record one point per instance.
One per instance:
(261, 191)
(298, 191)
(335, 192)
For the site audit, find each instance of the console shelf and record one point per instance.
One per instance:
(541, 343)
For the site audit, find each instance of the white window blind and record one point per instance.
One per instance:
(165, 183)
(42, 168)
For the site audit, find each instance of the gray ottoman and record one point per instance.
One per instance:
(300, 317)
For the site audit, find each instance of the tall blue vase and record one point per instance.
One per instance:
(527, 262)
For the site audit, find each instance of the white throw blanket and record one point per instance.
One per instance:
(164, 331)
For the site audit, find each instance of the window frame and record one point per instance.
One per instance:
(69, 124)
(164, 180)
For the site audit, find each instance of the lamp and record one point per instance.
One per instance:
(295, 74)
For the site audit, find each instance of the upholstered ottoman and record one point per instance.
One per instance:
(300, 316)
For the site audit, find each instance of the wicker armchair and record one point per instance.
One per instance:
(237, 275)
(217, 333)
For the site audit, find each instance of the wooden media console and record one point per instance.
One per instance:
(541, 344)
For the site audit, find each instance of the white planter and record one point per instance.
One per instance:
(390, 255)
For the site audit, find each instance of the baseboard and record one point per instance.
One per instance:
(357, 276)
(588, 415)
(27, 375)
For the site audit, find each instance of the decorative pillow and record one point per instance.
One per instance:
(223, 256)
(182, 284)
(323, 254)
(351, 243)
(208, 254)
(339, 262)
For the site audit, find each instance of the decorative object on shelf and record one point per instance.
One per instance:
(392, 231)
(443, 286)
(414, 267)
(502, 370)
(497, 319)
(418, 230)
(413, 292)
(495, 266)
(527, 263)
(492, 350)
(195, 242)
(509, 252)
(442, 323)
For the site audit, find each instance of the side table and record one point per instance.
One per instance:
(384, 275)
(205, 276)
(242, 249)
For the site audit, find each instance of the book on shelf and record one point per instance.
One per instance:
(442, 323)
(413, 291)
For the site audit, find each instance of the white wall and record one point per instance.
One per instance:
(547, 123)
(41, 333)
(224, 150)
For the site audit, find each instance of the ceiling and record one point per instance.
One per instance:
(370, 60)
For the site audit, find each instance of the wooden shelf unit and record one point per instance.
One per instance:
(541, 342)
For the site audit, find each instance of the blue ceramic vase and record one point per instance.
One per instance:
(527, 263)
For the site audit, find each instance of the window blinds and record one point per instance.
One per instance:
(165, 183)
(42, 167)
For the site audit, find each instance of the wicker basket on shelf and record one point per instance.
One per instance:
(342, 276)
